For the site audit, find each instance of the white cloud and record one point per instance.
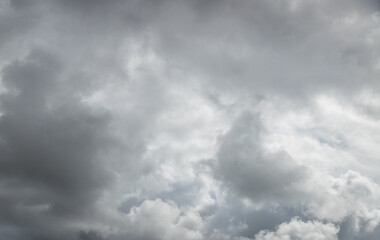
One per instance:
(155, 219)
(296, 229)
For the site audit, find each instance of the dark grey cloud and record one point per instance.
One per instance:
(90, 235)
(258, 46)
(250, 169)
(50, 164)
(61, 154)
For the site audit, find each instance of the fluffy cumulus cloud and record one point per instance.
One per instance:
(155, 219)
(190, 119)
(296, 229)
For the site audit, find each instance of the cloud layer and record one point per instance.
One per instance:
(189, 120)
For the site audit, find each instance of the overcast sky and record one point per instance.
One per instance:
(189, 119)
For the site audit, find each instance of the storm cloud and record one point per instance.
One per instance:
(225, 120)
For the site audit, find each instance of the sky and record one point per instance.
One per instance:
(189, 119)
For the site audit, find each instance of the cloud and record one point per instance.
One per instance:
(249, 168)
(60, 151)
(189, 119)
(297, 229)
(155, 219)
(50, 164)
(246, 167)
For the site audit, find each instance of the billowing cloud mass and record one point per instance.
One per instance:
(189, 119)
(297, 229)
